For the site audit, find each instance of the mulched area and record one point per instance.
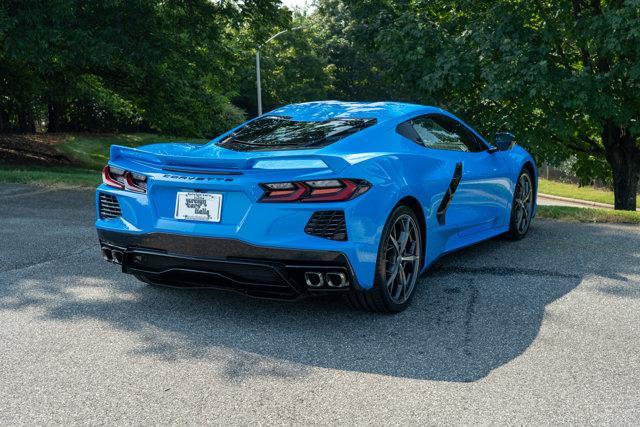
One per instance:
(32, 149)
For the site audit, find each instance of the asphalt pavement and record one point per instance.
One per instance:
(544, 330)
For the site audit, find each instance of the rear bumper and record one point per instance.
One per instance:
(203, 262)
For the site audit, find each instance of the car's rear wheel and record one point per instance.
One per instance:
(397, 266)
(522, 207)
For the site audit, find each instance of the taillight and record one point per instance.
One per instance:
(283, 192)
(326, 190)
(123, 179)
(135, 182)
(113, 177)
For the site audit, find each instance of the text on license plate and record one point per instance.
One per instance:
(198, 206)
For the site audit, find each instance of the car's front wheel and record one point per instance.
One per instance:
(397, 266)
(522, 207)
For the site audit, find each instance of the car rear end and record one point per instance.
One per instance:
(267, 224)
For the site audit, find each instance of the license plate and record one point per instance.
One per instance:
(198, 206)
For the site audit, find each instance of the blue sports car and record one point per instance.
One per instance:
(314, 198)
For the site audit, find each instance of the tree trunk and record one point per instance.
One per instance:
(53, 115)
(624, 157)
(26, 122)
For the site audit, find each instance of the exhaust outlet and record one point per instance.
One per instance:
(107, 255)
(117, 257)
(337, 280)
(313, 279)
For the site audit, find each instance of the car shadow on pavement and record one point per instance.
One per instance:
(473, 312)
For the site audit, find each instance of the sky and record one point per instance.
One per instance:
(294, 3)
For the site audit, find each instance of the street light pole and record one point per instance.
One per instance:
(258, 83)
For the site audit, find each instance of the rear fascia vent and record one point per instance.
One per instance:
(328, 225)
(109, 207)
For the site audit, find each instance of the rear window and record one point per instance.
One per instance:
(282, 133)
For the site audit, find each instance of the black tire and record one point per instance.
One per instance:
(380, 298)
(522, 206)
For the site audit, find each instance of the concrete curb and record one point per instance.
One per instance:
(587, 203)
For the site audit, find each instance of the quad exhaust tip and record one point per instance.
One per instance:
(117, 257)
(107, 255)
(337, 280)
(111, 255)
(315, 279)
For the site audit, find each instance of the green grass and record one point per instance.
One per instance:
(89, 152)
(573, 191)
(57, 176)
(92, 151)
(574, 214)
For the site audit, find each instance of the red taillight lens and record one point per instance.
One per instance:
(326, 190)
(123, 179)
(112, 178)
(283, 192)
(135, 182)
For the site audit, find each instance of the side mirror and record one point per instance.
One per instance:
(504, 141)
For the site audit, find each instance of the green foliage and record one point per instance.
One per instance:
(92, 151)
(119, 65)
(564, 75)
(360, 67)
(293, 67)
(567, 213)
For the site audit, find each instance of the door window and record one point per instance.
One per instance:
(440, 132)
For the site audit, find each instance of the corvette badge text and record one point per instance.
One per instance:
(196, 178)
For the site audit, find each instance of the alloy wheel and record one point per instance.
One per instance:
(402, 256)
(523, 203)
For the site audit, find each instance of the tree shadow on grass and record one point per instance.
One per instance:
(473, 312)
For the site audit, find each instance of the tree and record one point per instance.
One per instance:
(347, 39)
(293, 66)
(565, 75)
(163, 65)
(574, 67)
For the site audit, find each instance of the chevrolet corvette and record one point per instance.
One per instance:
(316, 198)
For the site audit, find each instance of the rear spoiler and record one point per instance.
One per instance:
(180, 157)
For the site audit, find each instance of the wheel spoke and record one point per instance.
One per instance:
(411, 248)
(525, 219)
(518, 212)
(526, 192)
(394, 273)
(395, 245)
(402, 243)
(402, 283)
(406, 224)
